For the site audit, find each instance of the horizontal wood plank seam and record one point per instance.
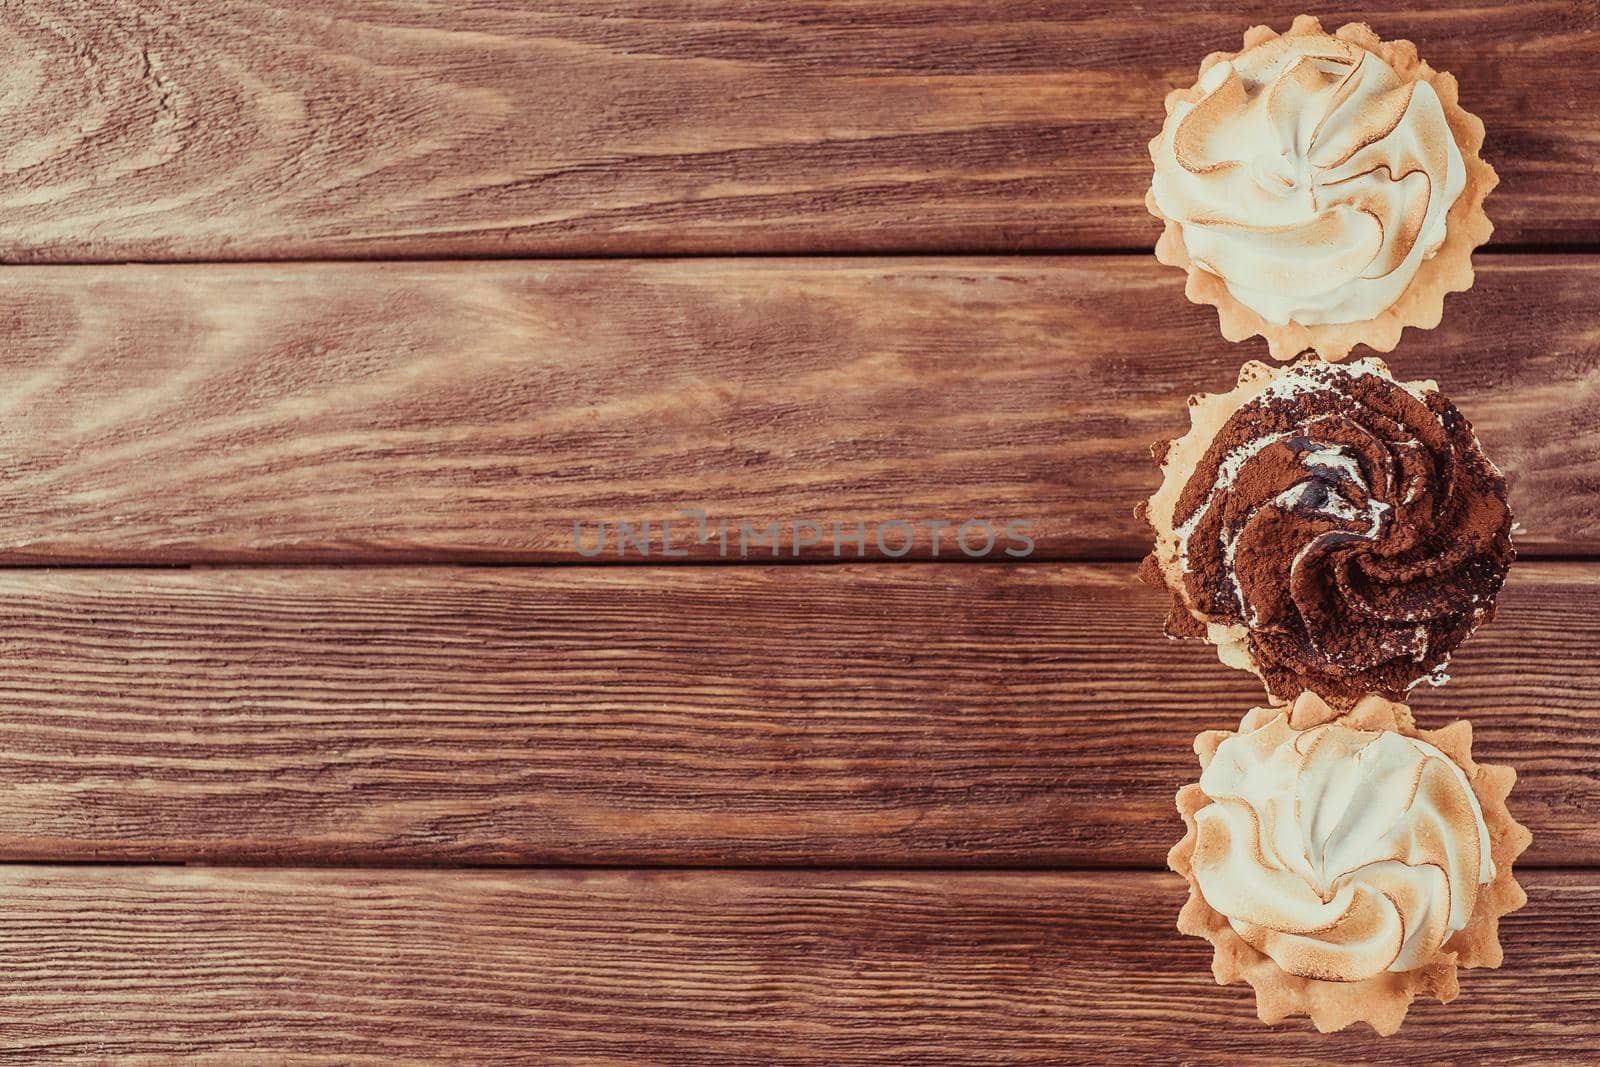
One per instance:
(887, 255)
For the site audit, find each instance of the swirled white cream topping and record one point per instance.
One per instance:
(1311, 178)
(1340, 853)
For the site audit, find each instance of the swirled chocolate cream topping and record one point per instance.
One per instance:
(1329, 528)
(1313, 175)
(1344, 863)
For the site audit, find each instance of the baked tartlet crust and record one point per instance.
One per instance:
(1448, 270)
(1380, 1001)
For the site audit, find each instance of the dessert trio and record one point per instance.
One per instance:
(1334, 530)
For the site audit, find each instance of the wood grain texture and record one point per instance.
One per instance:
(933, 715)
(426, 412)
(686, 967)
(396, 128)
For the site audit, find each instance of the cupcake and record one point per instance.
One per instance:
(1329, 528)
(1322, 190)
(1344, 864)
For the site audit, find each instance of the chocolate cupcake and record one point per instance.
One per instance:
(1329, 528)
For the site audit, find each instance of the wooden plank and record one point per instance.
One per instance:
(469, 411)
(404, 128)
(865, 715)
(682, 967)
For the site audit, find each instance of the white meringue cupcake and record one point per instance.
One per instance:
(1344, 864)
(1322, 190)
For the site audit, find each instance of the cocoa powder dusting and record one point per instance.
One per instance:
(1362, 542)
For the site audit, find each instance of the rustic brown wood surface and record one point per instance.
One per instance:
(686, 967)
(405, 128)
(926, 715)
(408, 412)
(949, 784)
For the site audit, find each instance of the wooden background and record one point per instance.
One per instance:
(320, 325)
